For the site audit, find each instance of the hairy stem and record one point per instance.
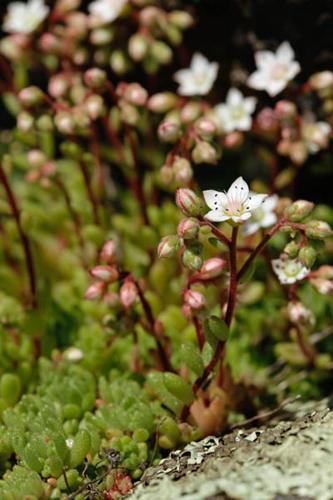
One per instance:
(23, 237)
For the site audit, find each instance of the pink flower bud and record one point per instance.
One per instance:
(299, 314)
(95, 291)
(64, 122)
(188, 228)
(324, 272)
(285, 109)
(189, 203)
(187, 311)
(212, 268)
(58, 85)
(135, 94)
(30, 96)
(321, 80)
(25, 121)
(149, 16)
(318, 230)
(204, 152)
(138, 46)
(267, 120)
(128, 293)
(169, 131)
(298, 152)
(168, 246)
(299, 210)
(95, 78)
(190, 112)
(48, 168)
(205, 128)
(166, 174)
(109, 252)
(234, 140)
(36, 158)
(194, 299)
(49, 43)
(105, 273)
(182, 171)
(94, 105)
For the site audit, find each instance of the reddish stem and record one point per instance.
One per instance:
(23, 237)
(307, 351)
(219, 235)
(199, 332)
(90, 192)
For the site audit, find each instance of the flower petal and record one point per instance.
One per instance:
(250, 228)
(238, 191)
(250, 104)
(216, 216)
(268, 220)
(264, 58)
(285, 53)
(234, 97)
(254, 201)
(199, 63)
(270, 202)
(258, 80)
(214, 198)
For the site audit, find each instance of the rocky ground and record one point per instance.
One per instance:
(289, 458)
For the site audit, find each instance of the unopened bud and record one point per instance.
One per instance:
(161, 52)
(298, 152)
(95, 291)
(189, 203)
(119, 62)
(36, 158)
(307, 255)
(212, 268)
(299, 210)
(322, 80)
(135, 94)
(162, 102)
(234, 140)
(299, 314)
(169, 131)
(192, 260)
(190, 112)
(129, 113)
(108, 274)
(182, 171)
(101, 36)
(95, 78)
(205, 128)
(151, 15)
(64, 122)
(58, 85)
(109, 252)
(267, 120)
(194, 299)
(137, 47)
(204, 152)
(291, 249)
(324, 272)
(30, 96)
(188, 228)
(168, 246)
(285, 110)
(49, 43)
(318, 230)
(128, 294)
(181, 19)
(166, 174)
(94, 105)
(25, 121)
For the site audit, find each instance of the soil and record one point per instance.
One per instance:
(289, 458)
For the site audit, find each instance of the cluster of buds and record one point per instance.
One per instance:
(132, 97)
(73, 34)
(42, 169)
(107, 273)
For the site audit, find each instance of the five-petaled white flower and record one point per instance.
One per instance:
(24, 17)
(198, 79)
(263, 216)
(235, 114)
(106, 11)
(274, 70)
(236, 205)
(289, 270)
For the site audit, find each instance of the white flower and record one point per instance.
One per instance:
(263, 216)
(73, 354)
(274, 70)
(106, 11)
(289, 270)
(198, 79)
(24, 17)
(237, 204)
(235, 114)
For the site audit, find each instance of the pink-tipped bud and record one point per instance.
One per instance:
(48, 168)
(181, 19)
(182, 171)
(150, 16)
(64, 122)
(322, 80)
(212, 268)
(190, 112)
(166, 174)
(267, 120)
(189, 203)
(162, 102)
(188, 228)
(168, 246)
(298, 152)
(109, 252)
(36, 158)
(135, 94)
(108, 274)
(324, 272)
(234, 140)
(94, 105)
(49, 43)
(204, 152)
(128, 294)
(194, 299)
(30, 96)
(299, 314)
(25, 121)
(58, 85)
(95, 78)
(95, 291)
(299, 210)
(285, 110)
(205, 127)
(169, 131)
